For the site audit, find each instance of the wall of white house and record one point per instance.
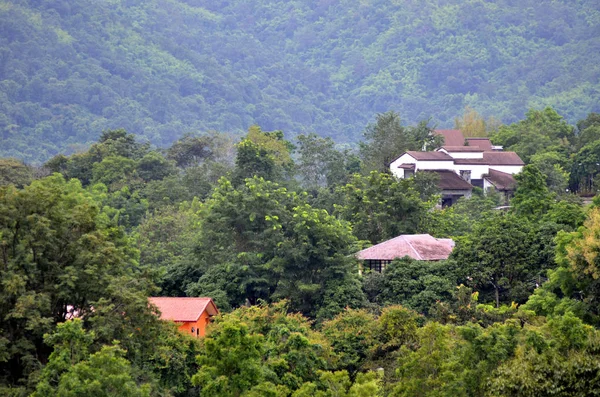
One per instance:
(509, 169)
(464, 155)
(477, 170)
(434, 165)
(404, 159)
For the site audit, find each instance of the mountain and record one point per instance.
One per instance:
(161, 68)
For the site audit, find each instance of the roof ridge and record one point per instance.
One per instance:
(412, 248)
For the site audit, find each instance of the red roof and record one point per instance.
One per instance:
(183, 309)
(431, 156)
(494, 158)
(422, 247)
(482, 143)
(501, 180)
(452, 137)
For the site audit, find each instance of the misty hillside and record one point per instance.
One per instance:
(160, 68)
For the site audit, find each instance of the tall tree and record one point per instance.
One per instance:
(532, 198)
(472, 124)
(263, 154)
(500, 253)
(380, 206)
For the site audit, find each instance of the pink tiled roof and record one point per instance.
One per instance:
(452, 137)
(417, 246)
(183, 309)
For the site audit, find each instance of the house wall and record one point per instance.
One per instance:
(199, 326)
(434, 165)
(477, 170)
(464, 155)
(509, 169)
(404, 159)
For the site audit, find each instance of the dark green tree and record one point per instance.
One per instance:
(380, 207)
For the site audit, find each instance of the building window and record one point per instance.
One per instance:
(466, 175)
(409, 173)
(377, 265)
(193, 330)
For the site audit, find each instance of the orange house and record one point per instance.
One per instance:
(191, 314)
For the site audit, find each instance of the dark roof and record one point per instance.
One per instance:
(462, 148)
(431, 156)
(502, 158)
(183, 309)
(501, 180)
(452, 137)
(482, 143)
(407, 166)
(450, 180)
(417, 246)
(494, 158)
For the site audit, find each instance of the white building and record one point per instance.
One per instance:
(479, 164)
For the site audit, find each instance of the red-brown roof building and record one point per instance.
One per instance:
(191, 314)
(422, 247)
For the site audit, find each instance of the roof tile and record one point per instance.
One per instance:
(417, 246)
(183, 309)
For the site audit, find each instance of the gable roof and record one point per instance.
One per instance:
(451, 137)
(494, 158)
(450, 180)
(501, 180)
(482, 143)
(430, 156)
(183, 309)
(421, 247)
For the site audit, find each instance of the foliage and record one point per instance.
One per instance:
(321, 165)
(500, 253)
(541, 131)
(263, 154)
(532, 197)
(72, 70)
(414, 284)
(472, 124)
(72, 371)
(380, 206)
(278, 247)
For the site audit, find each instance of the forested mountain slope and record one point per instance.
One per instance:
(160, 68)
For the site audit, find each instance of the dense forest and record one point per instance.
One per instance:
(267, 226)
(162, 68)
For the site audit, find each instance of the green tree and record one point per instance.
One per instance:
(73, 371)
(14, 172)
(386, 139)
(380, 207)
(500, 253)
(263, 154)
(320, 164)
(273, 245)
(532, 198)
(59, 252)
(541, 131)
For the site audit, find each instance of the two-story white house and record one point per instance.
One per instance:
(462, 167)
